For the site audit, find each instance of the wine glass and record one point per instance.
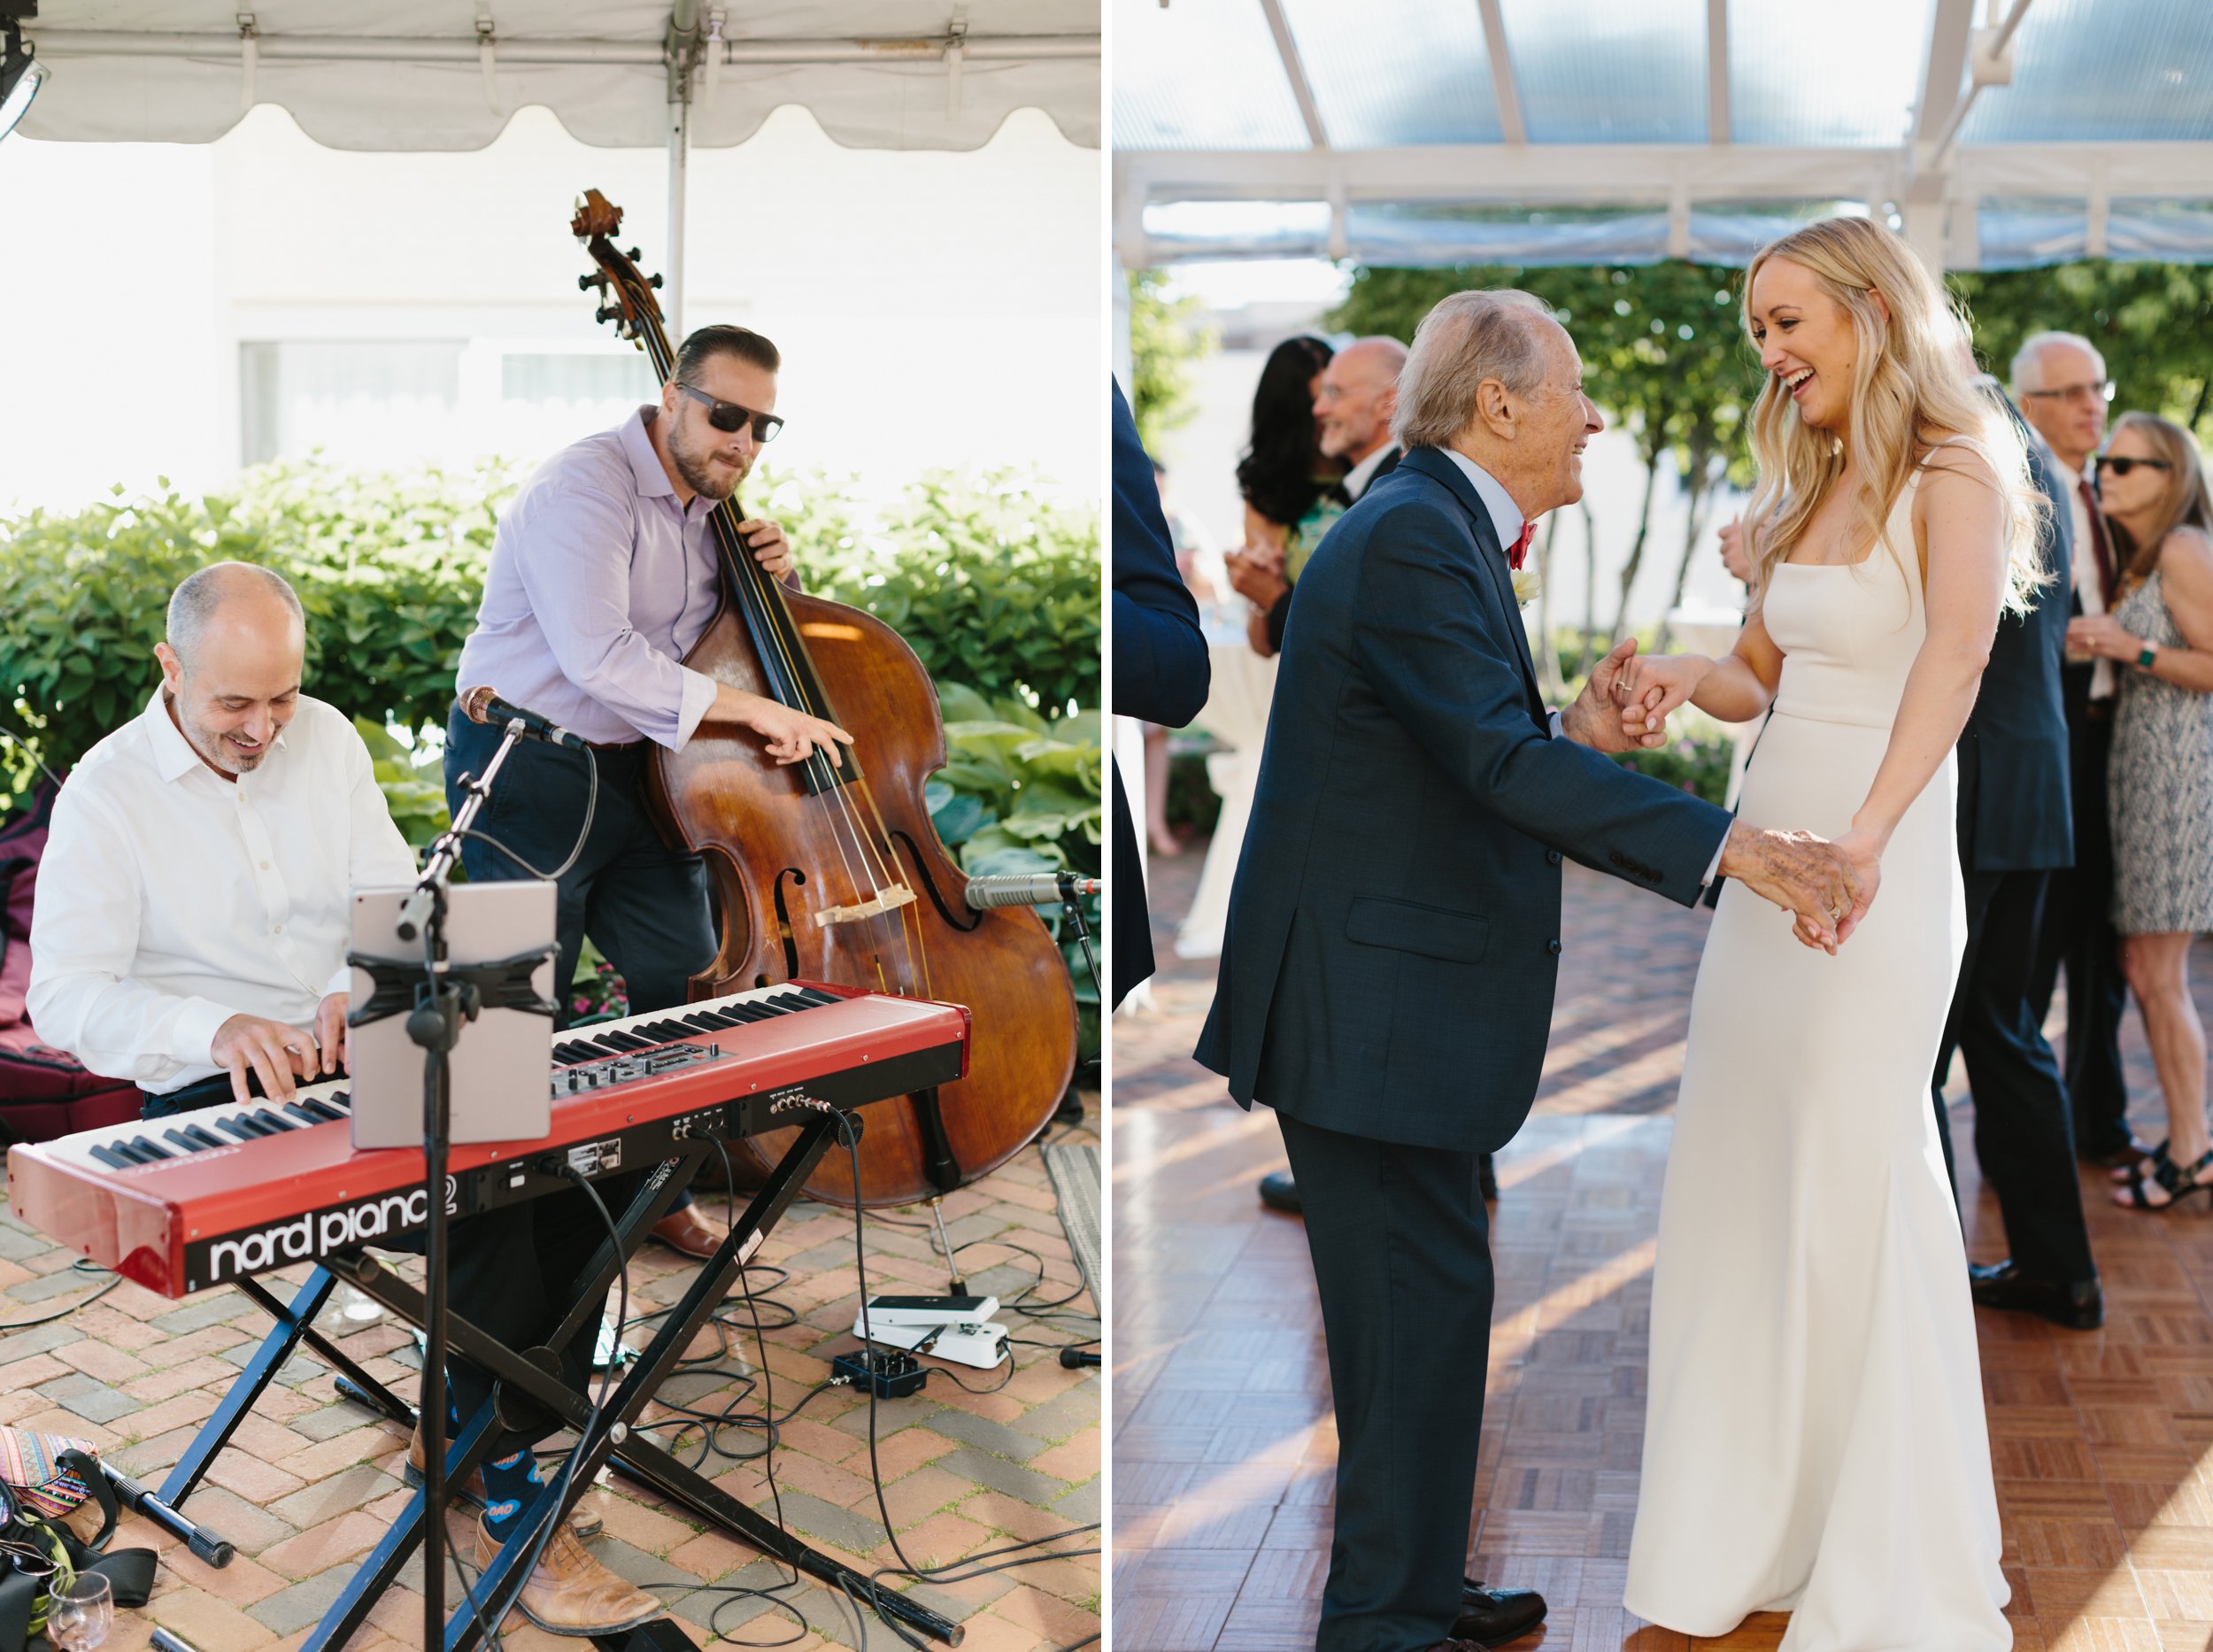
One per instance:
(81, 1613)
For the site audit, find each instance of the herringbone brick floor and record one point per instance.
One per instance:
(1224, 1443)
(310, 1481)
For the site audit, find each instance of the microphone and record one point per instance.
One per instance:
(1028, 889)
(482, 705)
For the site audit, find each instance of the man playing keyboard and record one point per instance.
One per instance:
(190, 931)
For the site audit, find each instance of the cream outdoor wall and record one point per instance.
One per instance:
(933, 309)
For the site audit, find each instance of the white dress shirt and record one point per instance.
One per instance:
(2088, 591)
(170, 899)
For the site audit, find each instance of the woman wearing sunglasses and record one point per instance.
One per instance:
(2151, 484)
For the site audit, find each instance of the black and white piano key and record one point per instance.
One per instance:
(651, 1028)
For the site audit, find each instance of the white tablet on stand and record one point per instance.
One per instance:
(501, 1086)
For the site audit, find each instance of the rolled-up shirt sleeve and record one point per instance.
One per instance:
(581, 596)
(84, 937)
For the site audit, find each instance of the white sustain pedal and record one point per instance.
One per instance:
(977, 1343)
(925, 1311)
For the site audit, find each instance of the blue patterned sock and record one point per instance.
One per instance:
(510, 1483)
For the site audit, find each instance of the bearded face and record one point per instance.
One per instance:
(712, 462)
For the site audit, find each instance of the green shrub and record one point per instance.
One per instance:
(992, 585)
(996, 590)
(1697, 766)
(387, 568)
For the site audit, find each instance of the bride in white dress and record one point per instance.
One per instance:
(1814, 1441)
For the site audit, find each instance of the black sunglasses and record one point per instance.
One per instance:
(729, 418)
(2121, 467)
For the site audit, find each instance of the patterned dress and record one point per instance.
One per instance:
(2160, 788)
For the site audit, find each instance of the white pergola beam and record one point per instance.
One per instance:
(1661, 177)
(1295, 72)
(1717, 71)
(1943, 72)
(1512, 127)
(1566, 174)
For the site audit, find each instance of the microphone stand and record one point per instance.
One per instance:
(442, 1005)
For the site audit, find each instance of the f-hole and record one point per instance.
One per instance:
(966, 921)
(784, 921)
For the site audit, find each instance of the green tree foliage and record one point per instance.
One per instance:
(1663, 356)
(1167, 335)
(2152, 322)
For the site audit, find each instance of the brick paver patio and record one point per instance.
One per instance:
(309, 1481)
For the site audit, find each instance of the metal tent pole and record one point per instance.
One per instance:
(683, 57)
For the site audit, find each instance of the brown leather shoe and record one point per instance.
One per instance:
(473, 1493)
(571, 1594)
(689, 1232)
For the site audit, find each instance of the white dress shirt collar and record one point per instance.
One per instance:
(1356, 480)
(1505, 516)
(173, 754)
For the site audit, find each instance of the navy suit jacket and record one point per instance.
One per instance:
(1160, 669)
(1394, 929)
(2015, 808)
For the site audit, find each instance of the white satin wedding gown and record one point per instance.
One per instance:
(1814, 1441)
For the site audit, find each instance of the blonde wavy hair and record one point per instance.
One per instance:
(1909, 378)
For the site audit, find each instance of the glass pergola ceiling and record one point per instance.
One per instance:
(1440, 131)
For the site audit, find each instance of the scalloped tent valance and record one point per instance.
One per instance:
(448, 74)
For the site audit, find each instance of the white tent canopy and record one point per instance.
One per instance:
(2001, 133)
(447, 74)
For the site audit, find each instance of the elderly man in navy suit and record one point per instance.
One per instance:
(1386, 981)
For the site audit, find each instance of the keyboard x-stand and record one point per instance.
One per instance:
(646, 1090)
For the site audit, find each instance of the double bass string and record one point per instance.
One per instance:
(876, 859)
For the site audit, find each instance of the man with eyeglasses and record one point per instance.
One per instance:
(603, 576)
(2059, 380)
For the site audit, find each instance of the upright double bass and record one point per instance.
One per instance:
(833, 872)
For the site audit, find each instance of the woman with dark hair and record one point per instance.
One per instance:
(1289, 489)
(2152, 487)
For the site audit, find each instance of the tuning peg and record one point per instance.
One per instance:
(653, 281)
(584, 283)
(634, 255)
(612, 313)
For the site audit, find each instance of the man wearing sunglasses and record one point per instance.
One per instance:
(2060, 382)
(603, 576)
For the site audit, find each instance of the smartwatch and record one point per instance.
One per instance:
(2144, 660)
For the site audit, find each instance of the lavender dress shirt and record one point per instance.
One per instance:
(600, 583)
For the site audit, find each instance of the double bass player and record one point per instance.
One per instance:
(603, 574)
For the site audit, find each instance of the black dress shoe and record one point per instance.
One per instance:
(2002, 1284)
(1491, 1617)
(2129, 1152)
(1278, 1191)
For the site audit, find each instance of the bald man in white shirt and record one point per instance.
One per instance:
(190, 934)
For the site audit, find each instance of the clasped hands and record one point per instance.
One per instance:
(1256, 573)
(1827, 885)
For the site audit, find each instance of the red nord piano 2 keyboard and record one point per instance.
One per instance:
(199, 1198)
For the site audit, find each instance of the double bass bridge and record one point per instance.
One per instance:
(882, 901)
